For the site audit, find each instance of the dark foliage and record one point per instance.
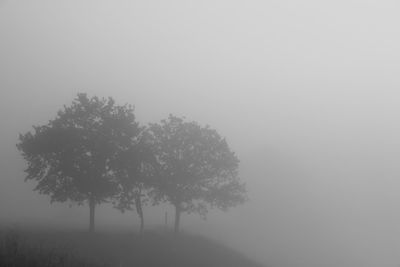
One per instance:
(94, 151)
(196, 169)
(135, 169)
(20, 250)
(70, 156)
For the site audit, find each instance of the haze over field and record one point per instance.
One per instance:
(306, 93)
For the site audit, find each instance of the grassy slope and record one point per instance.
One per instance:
(72, 249)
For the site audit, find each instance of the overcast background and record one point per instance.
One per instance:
(306, 93)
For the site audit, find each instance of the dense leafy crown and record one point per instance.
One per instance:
(196, 166)
(70, 156)
(136, 169)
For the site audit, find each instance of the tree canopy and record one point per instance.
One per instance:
(135, 169)
(95, 151)
(70, 156)
(197, 169)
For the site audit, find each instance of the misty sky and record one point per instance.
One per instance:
(306, 93)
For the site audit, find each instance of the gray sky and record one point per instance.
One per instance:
(305, 91)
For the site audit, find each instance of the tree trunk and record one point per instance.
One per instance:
(177, 218)
(92, 205)
(141, 224)
(139, 211)
(166, 220)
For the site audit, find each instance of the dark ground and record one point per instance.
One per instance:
(41, 248)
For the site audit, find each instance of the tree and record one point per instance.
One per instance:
(135, 168)
(196, 170)
(70, 156)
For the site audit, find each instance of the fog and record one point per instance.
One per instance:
(306, 93)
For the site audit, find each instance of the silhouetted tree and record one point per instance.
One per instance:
(69, 157)
(135, 170)
(197, 169)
